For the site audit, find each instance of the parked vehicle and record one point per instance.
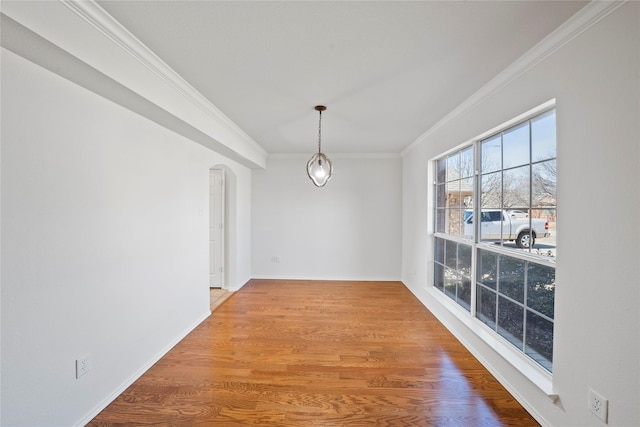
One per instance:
(517, 214)
(497, 225)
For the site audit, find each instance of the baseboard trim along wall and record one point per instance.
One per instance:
(94, 412)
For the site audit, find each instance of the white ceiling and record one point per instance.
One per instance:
(386, 70)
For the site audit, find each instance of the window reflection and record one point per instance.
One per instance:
(491, 154)
(466, 163)
(511, 321)
(491, 187)
(515, 146)
(543, 136)
(516, 185)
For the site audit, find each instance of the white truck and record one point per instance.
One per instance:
(497, 225)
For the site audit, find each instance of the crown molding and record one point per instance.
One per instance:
(361, 156)
(82, 43)
(99, 19)
(586, 17)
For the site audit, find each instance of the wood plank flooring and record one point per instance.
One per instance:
(315, 353)
(216, 297)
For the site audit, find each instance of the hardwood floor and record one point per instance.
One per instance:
(310, 353)
(217, 296)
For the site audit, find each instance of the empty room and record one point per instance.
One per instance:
(320, 213)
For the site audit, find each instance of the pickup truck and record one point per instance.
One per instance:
(497, 225)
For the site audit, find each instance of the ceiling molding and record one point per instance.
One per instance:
(306, 156)
(585, 18)
(25, 43)
(95, 15)
(100, 45)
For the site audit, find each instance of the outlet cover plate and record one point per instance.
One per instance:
(598, 405)
(83, 365)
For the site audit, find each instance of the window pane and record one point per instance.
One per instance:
(464, 260)
(453, 195)
(453, 167)
(454, 222)
(543, 184)
(516, 186)
(441, 196)
(511, 278)
(441, 220)
(486, 306)
(543, 136)
(510, 321)
(492, 225)
(464, 294)
(541, 288)
(450, 279)
(515, 146)
(491, 187)
(441, 170)
(487, 269)
(491, 154)
(447, 218)
(466, 163)
(468, 228)
(439, 251)
(438, 276)
(539, 340)
(451, 255)
(466, 192)
(546, 245)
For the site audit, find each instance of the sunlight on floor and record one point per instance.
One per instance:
(218, 296)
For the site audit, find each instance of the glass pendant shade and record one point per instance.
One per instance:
(319, 169)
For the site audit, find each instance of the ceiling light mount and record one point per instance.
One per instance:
(319, 167)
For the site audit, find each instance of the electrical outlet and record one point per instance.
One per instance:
(598, 405)
(83, 365)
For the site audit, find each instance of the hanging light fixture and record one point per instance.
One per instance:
(319, 167)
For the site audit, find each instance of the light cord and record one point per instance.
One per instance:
(319, 130)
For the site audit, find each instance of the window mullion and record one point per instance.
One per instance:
(476, 226)
(497, 299)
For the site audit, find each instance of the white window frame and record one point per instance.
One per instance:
(539, 376)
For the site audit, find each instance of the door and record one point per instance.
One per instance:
(216, 228)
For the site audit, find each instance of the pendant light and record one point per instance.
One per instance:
(319, 167)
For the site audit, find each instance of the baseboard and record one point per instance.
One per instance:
(456, 328)
(325, 278)
(100, 407)
(235, 288)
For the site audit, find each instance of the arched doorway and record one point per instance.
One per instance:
(216, 228)
(222, 226)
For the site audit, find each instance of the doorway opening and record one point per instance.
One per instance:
(216, 229)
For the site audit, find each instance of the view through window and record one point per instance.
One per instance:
(508, 181)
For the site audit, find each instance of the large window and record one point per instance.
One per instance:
(518, 185)
(508, 181)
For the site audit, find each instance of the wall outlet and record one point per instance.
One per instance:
(598, 405)
(83, 365)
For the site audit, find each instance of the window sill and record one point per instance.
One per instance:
(529, 369)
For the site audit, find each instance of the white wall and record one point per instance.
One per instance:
(348, 229)
(595, 78)
(104, 244)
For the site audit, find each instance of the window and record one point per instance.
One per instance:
(508, 180)
(518, 178)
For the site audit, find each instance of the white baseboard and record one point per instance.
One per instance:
(320, 278)
(100, 407)
(484, 355)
